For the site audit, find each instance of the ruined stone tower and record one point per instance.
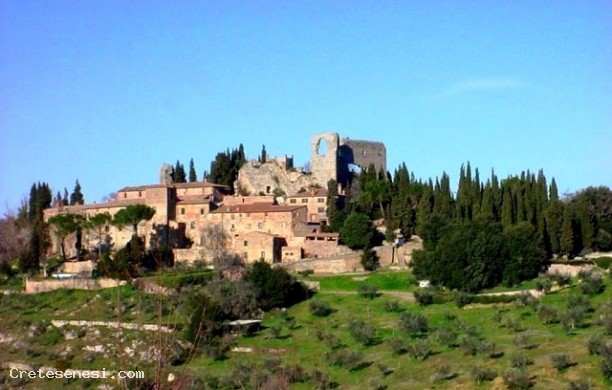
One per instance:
(324, 157)
(165, 174)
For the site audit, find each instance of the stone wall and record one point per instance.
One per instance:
(77, 267)
(324, 157)
(361, 153)
(334, 265)
(39, 286)
(323, 248)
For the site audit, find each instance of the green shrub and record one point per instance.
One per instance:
(320, 308)
(414, 324)
(561, 361)
(481, 373)
(462, 299)
(367, 291)
(392, 306)
(442, 373)
(579, 384)
(603, 262)
(424, 297)
(519, 360)
(361, 331)
(596, 344)
(419, 350)
(398, 345)
(517, 379)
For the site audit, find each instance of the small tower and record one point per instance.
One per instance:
(165, 174)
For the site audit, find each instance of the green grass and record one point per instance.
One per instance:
(383, 280)
(603, 262)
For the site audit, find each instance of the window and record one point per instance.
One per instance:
(263, 255)
(139, 194)
(292, 201)
(268, 188)
(304, 200)
(245, 243)
(201, 211)
(320, 200)
(321, 210)
(106, 228)
(125, 194)
(192, 225)
(259, 225)
(233, 216)
(245, 255)
(182, 210)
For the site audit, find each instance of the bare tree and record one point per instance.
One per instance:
(215, 242)
(14, 238)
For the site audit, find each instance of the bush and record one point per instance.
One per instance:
(517, 379)
(596, 344)
(367, 291)
(442, 373)
(369, 260)
(392, 306)
(519, 360)
(424, 297)
(274, 287)
(482, 373)
(547, 314)
(543, 284)
(419, 350)
(561, 361)
(350, 360)
(398, 345)
(329, 339)
(414, 324)
(462, 299)
(361, 331)
(606, 361)
(592, 284)
(579, 384)
(320, 308)
(562, 279)
(523, 340)
(447, 336)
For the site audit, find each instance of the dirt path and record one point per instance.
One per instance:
(406, 296)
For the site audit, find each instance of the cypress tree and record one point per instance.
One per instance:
(77, 196)
(568, 234)
(507, 213)
(193, 177)
(553, 218)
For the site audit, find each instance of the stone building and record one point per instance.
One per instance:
(276, 215)
(315, 201)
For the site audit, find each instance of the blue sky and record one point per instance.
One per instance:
(107, 91)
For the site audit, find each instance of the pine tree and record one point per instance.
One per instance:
(77, 196)
(193, 177)
(264, 155)
(66, 198)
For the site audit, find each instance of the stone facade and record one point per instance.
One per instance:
(315, 201)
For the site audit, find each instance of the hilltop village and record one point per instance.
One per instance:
(275, 212)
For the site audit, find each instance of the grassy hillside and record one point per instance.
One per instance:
(325, 345)
(311, 351)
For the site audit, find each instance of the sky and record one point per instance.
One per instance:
(107, 91)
